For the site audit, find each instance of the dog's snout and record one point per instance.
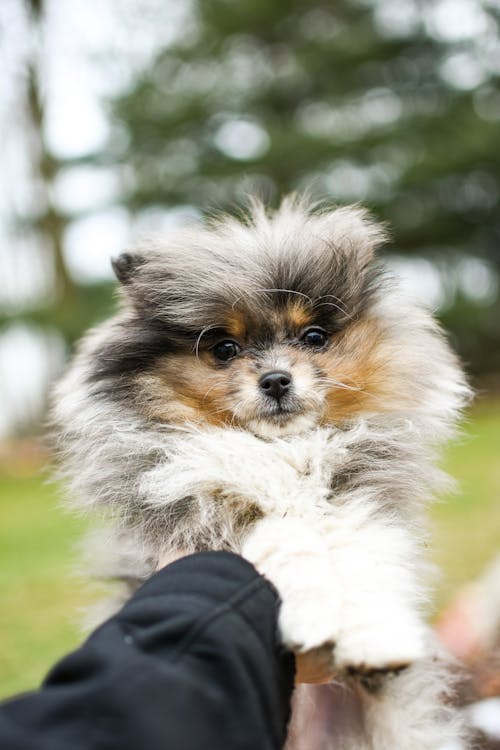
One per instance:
(276, 383)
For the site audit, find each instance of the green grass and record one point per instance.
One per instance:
(40, 598)
(466, 527)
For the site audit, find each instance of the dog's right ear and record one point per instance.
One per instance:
(125, 266)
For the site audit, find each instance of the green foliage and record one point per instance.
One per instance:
(273, 97)
(467, 527)
(71, 315)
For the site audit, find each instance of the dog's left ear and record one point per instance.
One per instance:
(125, 266)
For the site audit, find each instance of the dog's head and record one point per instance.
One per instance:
(273, 323)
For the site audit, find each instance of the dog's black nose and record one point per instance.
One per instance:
(275, 384)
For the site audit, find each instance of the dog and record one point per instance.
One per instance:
(268, 388)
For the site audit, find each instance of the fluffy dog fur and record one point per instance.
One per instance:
(323, 490)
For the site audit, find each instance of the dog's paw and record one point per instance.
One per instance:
(308, 622)
(375, 648)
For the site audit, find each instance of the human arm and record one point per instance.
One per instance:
(193, 660)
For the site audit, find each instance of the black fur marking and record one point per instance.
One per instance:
(369, 459)
(337, 294)
(125, 266)
(135, 347)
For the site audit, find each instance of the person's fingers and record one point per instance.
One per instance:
(459, 627)
(315, 666)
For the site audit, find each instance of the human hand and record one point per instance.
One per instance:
(312, 667)
(315, 667)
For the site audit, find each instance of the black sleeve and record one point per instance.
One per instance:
(191, 662)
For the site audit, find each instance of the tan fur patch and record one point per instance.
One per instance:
(245, 513)
(236, 325)
(297, 316)
(183, 387)
(363, 362)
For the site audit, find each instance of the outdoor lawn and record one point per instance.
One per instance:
(40, 597)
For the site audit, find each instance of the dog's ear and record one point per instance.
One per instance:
(125, 266)
(145, 279)
(353, 230)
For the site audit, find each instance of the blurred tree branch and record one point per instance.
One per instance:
(71, 306)
(345, 102)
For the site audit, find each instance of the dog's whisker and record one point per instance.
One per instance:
(205, 330)
(276, 291)
(214, 385)
(287, 291)
(241, 404)
(340, 384)
(336, 307)
(332, 296)
(197, 344)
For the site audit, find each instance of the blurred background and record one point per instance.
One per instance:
(120, 117)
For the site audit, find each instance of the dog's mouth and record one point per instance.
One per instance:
(282, 425)
(281, 419)
(281, 411)
(269, 417)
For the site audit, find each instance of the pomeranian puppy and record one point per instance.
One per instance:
(267, 388)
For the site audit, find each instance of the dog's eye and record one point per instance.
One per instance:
(226, 350)
(315, 337)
